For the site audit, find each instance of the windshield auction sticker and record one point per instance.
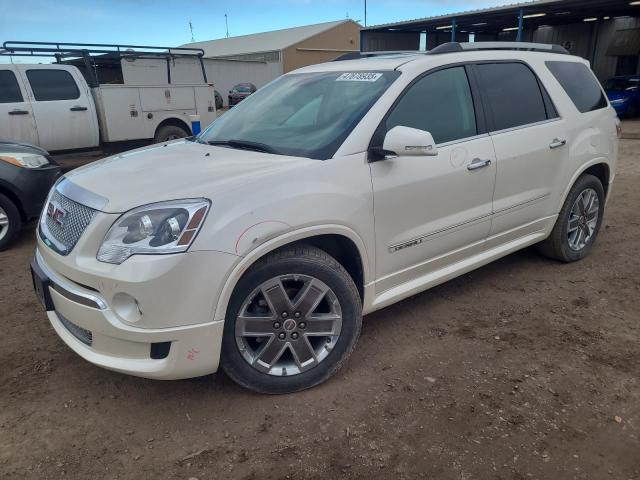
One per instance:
(359, 77)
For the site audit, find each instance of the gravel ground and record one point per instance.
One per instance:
(526, 368)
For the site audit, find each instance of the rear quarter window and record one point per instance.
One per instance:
(580, 84)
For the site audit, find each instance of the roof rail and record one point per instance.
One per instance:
(452, 47)
(358, 55)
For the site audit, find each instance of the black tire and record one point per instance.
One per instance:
(556, 246)
(301, 260)
(170, 132)
(9, 232)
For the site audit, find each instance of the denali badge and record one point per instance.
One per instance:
(56, 213)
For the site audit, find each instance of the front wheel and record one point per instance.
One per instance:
(10, 222)
(578, 222)
(292, 321)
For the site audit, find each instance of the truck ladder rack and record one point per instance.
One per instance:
(87, 51)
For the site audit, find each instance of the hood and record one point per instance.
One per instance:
(180, 169)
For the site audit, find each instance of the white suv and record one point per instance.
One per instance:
(334, 191)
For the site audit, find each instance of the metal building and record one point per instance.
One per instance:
(261, 57)
(606, 32)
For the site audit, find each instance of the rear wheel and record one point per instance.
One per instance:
(10, 222)
(578, 223)
(292, 321)
(170, 132)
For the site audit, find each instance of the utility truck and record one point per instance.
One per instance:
(101, 95)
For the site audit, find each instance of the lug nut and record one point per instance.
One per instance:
(294, 335)
(276, 325)
(281, 335)
(302, 325)
(285, 314)
(297, 314)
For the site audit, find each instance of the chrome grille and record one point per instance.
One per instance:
(64, 221)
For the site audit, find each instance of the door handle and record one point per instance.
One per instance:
(78, 108)
(478, 163)
(557, 143)
(19, 112)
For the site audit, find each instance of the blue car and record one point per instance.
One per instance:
(624, 95)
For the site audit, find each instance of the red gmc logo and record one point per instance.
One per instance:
(56, 213)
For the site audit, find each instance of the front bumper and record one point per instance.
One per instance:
(87, 317)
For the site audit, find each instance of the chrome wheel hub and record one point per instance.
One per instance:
(289, 324)
(4, 223)
(583, 219)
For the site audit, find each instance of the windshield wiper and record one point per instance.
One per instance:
(245, 145)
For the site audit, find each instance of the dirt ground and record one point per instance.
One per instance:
(526, 368)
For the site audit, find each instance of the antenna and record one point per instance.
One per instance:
(193, 39)
(226, 22)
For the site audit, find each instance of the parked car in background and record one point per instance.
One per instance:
(336, 190)
(219, 101)
(624, 95)
(26, 176)
(240, 92)
(122, 98)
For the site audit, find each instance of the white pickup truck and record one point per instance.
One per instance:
(99, 97)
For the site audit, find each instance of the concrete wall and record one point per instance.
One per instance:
(323, 47)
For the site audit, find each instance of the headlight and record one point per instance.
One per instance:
(24, 160)
(154, 229)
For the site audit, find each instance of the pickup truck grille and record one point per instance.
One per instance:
(63, 222)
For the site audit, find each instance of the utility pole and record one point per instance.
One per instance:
(226, 22)
(365, 13)
(193, 39)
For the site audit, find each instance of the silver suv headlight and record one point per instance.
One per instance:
(154, 229)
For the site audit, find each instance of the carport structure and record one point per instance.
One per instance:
(592, 29)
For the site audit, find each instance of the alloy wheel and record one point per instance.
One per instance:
(4, 223)
(583, 219)
(288, 325)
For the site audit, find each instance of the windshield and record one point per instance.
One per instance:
(304, 114)
(242, 89)
(621, 84)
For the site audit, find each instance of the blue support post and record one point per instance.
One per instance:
(453, 30)
(520, 25)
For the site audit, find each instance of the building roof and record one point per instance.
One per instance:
(263, 42)
(537, 13)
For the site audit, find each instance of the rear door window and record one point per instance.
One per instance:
(439, 103)
(9, 88)
(580, 84)
(512, 95)
(52, 84)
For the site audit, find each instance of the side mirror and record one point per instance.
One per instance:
(406, 141)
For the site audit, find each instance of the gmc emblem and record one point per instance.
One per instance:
(56, 213)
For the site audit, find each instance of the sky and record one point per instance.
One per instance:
(166, 22)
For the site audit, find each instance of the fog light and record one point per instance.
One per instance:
(127, 307)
